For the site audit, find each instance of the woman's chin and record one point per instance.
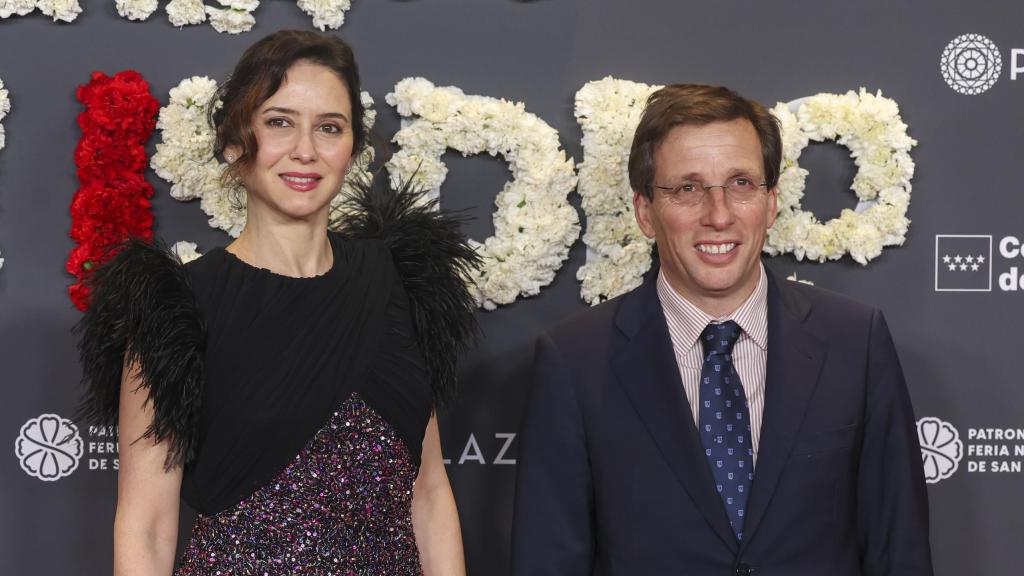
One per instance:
(292, 211)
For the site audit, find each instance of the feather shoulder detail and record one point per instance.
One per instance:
(143, 313)
(434, 260)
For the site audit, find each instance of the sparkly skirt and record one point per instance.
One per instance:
(343, 506)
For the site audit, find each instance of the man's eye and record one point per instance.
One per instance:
(688, 187)
(741, 181)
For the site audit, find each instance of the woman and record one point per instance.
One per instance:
(284, 386)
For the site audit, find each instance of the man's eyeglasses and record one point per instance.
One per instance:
(738, 189)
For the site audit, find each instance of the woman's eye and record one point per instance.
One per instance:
(278, 122)
(330, 129)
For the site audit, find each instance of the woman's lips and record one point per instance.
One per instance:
(301, 182)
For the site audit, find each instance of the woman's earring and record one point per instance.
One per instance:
(230, 157)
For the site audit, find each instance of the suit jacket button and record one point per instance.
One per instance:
(744, 570)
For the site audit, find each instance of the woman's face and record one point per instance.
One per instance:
(304, 139)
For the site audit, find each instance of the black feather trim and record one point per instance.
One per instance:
(434, 260)
(142, 311)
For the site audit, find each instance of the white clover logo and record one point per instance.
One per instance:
(49, 447)
(941, 448)
(971, 64)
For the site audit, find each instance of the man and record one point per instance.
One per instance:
(717, 420)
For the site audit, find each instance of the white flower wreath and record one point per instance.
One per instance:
(618, 253)
(185, 158)
(63, 10)
(534, 225)
(5, 107)
(869, 125)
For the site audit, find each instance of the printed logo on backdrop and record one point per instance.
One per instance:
(978, 263)
(963, 263)
(495, 452)
(51, 447)
(972, 63)
(48, 447)
(987, 450)
(941, 448)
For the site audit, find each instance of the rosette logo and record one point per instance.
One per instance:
(941, 448)
(971, 64)
(49, 447)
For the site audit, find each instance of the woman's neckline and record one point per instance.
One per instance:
(335, 264)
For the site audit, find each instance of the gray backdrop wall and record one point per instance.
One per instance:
(958, 348)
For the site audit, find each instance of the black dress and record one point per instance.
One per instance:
(297, 405)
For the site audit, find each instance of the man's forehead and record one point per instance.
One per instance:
(694, 134)
(718, 145)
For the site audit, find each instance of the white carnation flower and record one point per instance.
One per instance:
(136, 9)
(230, 21)
(185, 251)
(63, 10)
(223, 212)
(326, 13)
(10, 8)
(185, 12)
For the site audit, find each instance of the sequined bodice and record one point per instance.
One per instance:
(343, 506)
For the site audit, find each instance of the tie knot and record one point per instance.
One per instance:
(720, 338)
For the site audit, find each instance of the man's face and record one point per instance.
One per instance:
(709, 251)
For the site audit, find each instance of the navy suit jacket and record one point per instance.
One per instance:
(612, 477)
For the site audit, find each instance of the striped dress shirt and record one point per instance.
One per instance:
(750, 354)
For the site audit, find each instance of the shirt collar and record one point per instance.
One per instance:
(751, 315)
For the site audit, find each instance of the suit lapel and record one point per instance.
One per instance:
(795, 358)
(646, 370)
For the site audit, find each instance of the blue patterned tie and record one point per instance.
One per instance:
(724, 421)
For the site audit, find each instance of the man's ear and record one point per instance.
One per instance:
(642, 209)
(773, 206)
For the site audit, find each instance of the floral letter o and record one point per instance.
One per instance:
(534, 225)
